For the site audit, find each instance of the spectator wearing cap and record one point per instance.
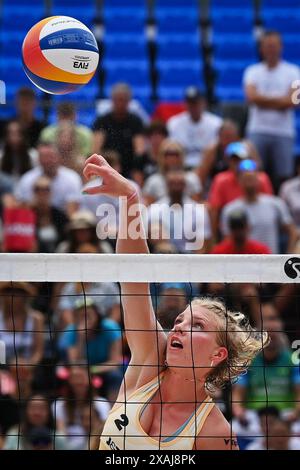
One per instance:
(82, 136)
(269, 89)
(120, 130)
(226, 185)
(51, 222)
(147, 164)
(195, 129)
(65, 183)
(171, 158)
(214, 158)
(267, 214)
(105, 294)
(95, 340)
(22, 331)
(82, 228)
(238, 241)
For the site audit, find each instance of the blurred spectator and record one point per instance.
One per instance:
(186, 222)
(65, 183)
(214, 158)
(267, 214)
(97, 341)
(147, 164)
(50, 221)
(81, 135)
(269, 89)
(82, 230)
(105, 106)
(105, 294)
(226, 185)
(68, 409)
(36, 430)
(16, 157)
(271, 378)
(21, 328)
(290, 193)
(120, 130)
(68, 147)
(276, 433)
(173, 300)
(170, 158)
(238, 241)
(25, 109)
(195, 128)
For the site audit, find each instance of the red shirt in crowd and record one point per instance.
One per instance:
(251, 247)
(225, 188)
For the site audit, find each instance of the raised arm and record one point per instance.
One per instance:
(145, 336)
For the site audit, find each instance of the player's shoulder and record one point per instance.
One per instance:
(216, 433)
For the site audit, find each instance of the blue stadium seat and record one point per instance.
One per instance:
(177, 20)
(291, 48)
(284, 20)
(235, 47)
(178, 46)
(229, 84)
(86, 15)
(16, 17)
(232, 20)
(128, 3)
(280, 3)
(248, 4)
(174, 77)
(176, 3)
(124, 20)
(136, 73)
(125, 46)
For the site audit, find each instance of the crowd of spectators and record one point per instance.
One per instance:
(66, 354)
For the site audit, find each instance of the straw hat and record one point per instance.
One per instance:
(24, 286)
(82, 219)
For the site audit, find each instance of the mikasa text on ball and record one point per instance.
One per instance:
(60, 54)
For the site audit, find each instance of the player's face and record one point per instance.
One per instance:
(193, 342)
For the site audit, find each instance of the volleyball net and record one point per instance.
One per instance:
(64, 351)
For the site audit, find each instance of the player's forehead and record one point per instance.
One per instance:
(197, 312)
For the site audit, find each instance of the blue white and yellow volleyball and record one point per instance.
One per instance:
(60, 55)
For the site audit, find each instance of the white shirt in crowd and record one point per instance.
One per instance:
(290, 193)
(156, 186)
(265, 216)
(187, 226)
(76, 435)
(194, 136)
(274, 82)
(66, 186)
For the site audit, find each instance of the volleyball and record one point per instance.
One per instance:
(60, 55)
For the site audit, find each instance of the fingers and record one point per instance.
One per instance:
(97, 159)
(94, 190)
(92, 169)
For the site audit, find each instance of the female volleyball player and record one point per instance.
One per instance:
(163, 402)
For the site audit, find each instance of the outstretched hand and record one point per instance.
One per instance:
(113, 184)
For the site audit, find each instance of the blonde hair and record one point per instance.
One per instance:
(234, 332)
(166, 145)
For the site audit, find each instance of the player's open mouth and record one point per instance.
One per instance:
(176, 344)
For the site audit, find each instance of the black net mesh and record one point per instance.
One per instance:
(67, 355)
